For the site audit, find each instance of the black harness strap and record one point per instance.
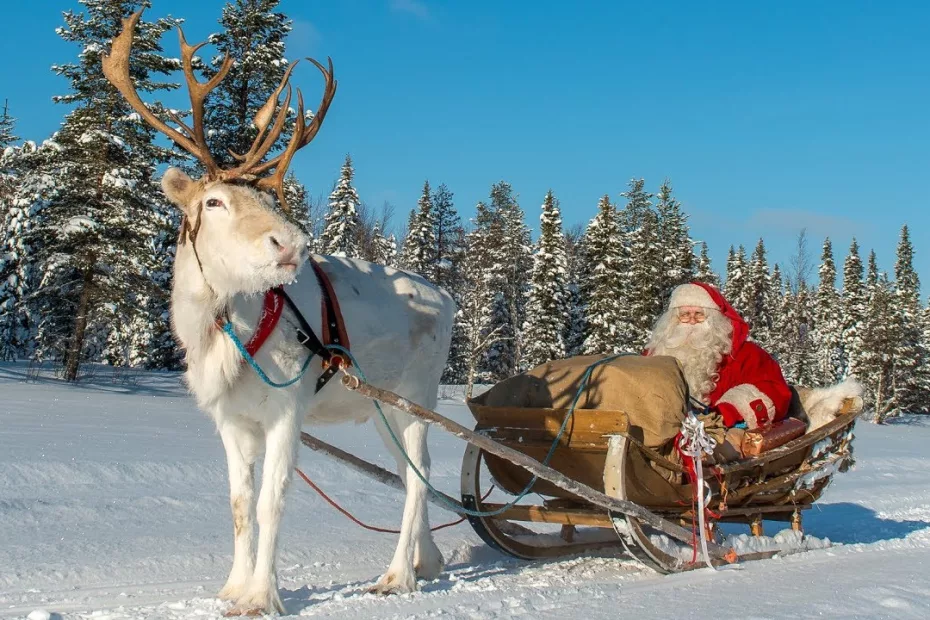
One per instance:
(307, 337)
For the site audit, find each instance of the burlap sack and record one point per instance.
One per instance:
(651, 390)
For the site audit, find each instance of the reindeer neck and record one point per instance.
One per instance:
(196, 306)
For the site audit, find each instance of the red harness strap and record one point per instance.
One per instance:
(271, 313)
(334, 331)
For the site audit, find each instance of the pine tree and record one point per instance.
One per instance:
(301, 212)
(828, 321)
(644, 296)
(778, 343)
(7, 127)
(509, 275)
(735, 289)
(29, 186)
(576, 329)
(253, 35)
(639, 203)
(340, 225)
(450, 239)
(909, 374)
(853, 302)
(759, 306)
(475, 325)
(675, 243)
(704, 272)
(385, 248)
(603, 288)
(799, 365)
(547, 309)
(419, 254)
(106, 232)
(879, 329)
(450, 257)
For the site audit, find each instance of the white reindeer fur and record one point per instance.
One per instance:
(822, 404)
(400, 330)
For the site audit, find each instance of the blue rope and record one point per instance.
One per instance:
(454, 507)
(228, 328)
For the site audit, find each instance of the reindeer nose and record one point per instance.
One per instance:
(277, 245)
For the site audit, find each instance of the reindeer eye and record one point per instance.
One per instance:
(213, 203)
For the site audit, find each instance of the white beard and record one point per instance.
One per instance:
(698, 348)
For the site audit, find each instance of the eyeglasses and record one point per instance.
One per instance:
(691, 316)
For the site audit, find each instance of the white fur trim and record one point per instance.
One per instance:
(822, 404)
(740, 396)
(691, 295)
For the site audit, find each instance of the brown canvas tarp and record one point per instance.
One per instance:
(651, 390)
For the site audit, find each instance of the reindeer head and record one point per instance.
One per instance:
(241, 243)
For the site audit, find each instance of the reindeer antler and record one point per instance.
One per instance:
(193, 138)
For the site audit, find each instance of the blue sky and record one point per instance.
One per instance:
(767, 117)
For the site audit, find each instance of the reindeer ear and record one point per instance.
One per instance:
(179, 188)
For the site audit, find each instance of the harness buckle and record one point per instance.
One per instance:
(337, 361)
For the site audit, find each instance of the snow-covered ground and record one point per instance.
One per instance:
(113, 505)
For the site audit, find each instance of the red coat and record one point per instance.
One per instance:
(751, 387)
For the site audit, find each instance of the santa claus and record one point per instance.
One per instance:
(724, 371)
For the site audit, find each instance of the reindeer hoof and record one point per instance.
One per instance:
(391, 583)
(258, 603)
(236, 612)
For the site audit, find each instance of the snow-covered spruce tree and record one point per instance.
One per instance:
(735, 289)
(675, 242)
(509, 275)
(384, 248)
(644, 296)
(547, 309)
(828, 321)
(854, 300)
(925, 343)
(7, 127)
(638, 203)
(799, 364)
(419, 253)
(301, 211)
(603, 290)
(450, 237)
(704, 271)
(106, 233)
(879, 337)
(9, 160)
(339, 236)
(576, 329)
(910, 372)
(29, 184)
(479, 294)
(253, 34)
(450, 257)
(759, 305)
(778, 345)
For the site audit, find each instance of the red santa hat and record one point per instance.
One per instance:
(706, 296)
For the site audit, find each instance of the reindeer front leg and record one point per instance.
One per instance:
(280, 458)
(241, 444)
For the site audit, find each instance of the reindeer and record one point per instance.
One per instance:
(233, 247)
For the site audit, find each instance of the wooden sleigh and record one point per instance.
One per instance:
(598, 490)
(598, 451)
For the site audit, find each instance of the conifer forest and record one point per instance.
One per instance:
(87, 242)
